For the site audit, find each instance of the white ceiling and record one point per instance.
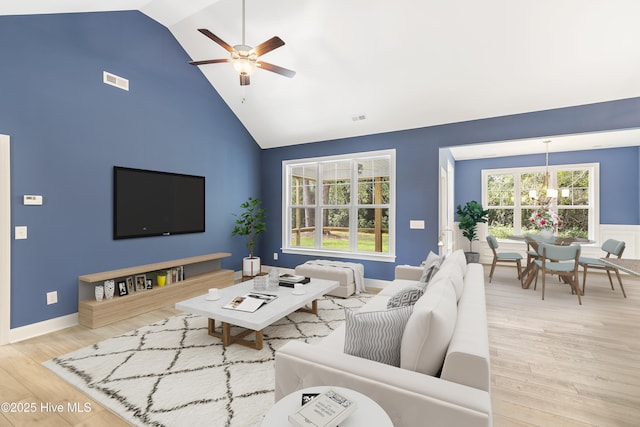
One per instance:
(403, 64)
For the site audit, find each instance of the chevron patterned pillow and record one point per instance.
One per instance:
(407, 296)
(376, 335)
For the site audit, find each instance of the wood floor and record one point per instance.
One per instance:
(554, 363)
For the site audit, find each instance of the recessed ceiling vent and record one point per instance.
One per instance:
(117, 81)
(358, 117)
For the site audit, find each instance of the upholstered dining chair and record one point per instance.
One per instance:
(611, 247)
(560, 260)
(532, 241)
(510, 257)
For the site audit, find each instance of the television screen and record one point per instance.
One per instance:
(152, 203)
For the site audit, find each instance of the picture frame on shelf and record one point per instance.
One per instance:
(122, 288)
(130, 285)
(148, 284)
(141, 282)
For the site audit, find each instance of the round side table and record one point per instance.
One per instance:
(368, 411)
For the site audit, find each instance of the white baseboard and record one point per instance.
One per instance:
(41, 328)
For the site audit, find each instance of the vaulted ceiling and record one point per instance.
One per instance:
(399, 65)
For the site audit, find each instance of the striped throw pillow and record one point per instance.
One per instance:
(376, 335)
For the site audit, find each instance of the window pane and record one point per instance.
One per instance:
(373, 230)
(303, 227)
(501, 190)
(373, 181)
(575, 223)
(336, 183)
(531, 182)
(335, 229)
(303, 185)
(501, 222)
(574, 188)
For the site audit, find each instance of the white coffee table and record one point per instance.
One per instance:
(368, 412)
(286, 303)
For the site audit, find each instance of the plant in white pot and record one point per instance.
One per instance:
(469, 217)
(250, 224)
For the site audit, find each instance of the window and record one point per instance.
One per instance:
(341, 206)
(507, 196)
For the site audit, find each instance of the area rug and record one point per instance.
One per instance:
(173, 373)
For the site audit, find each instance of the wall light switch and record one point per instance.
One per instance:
(416, 224)
(30, 199)
(21, 232)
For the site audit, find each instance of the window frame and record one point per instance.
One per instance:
(353, 207)
(594, 191)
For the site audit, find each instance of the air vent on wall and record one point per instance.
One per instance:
(358, 117)
(113, 80)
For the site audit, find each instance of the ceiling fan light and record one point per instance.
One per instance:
(244, 65)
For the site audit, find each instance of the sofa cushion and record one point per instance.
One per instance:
(430, 327)
(452, 271)
(376, 335)
(407, 296)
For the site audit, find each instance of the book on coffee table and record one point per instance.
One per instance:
(289, 280)
(250, 302)
(326, 410)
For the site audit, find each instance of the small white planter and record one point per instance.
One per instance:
(250, 266)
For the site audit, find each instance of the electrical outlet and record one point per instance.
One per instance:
(275, 256)
(52, 297)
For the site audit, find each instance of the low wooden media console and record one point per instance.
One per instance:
(200, 274)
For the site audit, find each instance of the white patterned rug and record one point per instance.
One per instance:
(172, 373)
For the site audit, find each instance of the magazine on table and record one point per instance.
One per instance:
(326, 410)
(250, 302)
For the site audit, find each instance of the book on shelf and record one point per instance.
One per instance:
(250, 302)
(291, 279)
(325, 410)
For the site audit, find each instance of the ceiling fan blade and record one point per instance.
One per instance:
(209, 61)
(266, 47)
(276, 69)
(217, 39)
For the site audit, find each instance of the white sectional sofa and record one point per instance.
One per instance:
(446, 330)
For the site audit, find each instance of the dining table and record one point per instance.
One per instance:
(530, 270)
(628, 265)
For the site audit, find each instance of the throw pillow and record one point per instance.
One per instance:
(431, 266)
(406, 297)
(376, 335)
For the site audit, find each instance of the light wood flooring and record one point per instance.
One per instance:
(554, 363)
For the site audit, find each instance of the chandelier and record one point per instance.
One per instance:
(550, 192)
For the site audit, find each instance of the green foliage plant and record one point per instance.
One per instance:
(250, 223)
(469, 217)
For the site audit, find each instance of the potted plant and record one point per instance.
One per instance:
(250, 224)
(469, 217)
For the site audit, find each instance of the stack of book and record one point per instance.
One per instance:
(289, 280)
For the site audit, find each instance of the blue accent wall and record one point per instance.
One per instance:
(68, 130)
(417, 171)
(619, 191)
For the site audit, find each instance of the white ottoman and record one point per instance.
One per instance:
(344, 276)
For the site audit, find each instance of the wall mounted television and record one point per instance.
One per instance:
(152, 203)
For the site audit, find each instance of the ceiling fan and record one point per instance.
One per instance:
(245, 58)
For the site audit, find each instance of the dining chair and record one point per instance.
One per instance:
(611, 247)
(532, 241)
(510, 257)
(560, 260)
